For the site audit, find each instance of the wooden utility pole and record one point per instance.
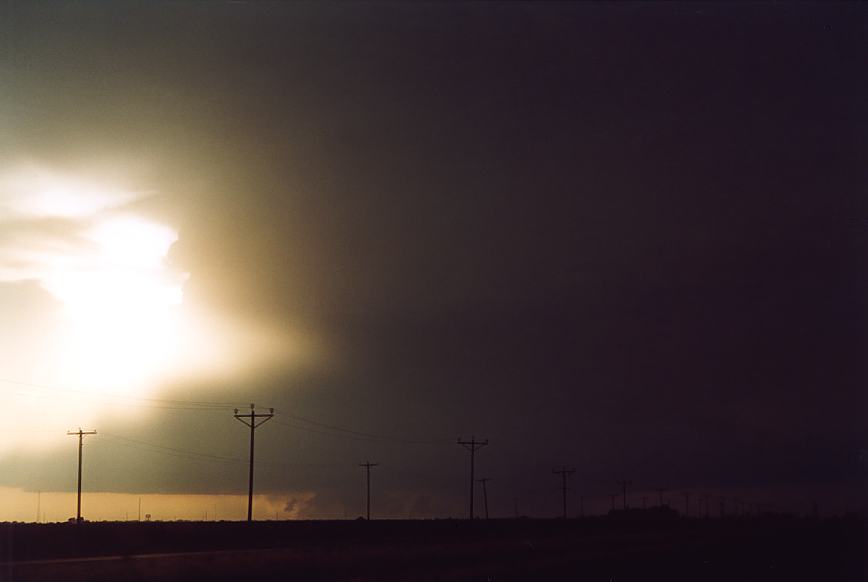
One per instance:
(485, 480)
(367, 465)
(623, 485)
(564, 472)
(81, 434)
(253, 420)
(472, 445)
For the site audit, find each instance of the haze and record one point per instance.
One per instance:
(625, 237)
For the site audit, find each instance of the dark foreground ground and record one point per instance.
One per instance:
(591, 549)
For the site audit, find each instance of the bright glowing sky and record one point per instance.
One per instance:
(113, 320)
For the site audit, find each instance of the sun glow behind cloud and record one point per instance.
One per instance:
(107, 267)
(122, 303)
(93, 307)
(30, 190)
(108, 318)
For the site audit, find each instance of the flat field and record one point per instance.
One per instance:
(604, 549)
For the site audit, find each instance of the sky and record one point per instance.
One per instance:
(628, 238)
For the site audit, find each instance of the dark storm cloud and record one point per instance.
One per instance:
(626, 237)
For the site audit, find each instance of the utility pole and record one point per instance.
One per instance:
(485, 480)
(623, 485)
(686, 503)
(367, 465)
(613, 496)
(253, 420)
(140, 509)
(564, 472)
(81, 434)
(471, 446)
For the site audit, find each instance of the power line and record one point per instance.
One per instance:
(183, 453)
(362, 434)
(123, 401)
(338, 428)
(198, 404)
(355, 435)
(191, 455)
(214, 406)
(326, 433)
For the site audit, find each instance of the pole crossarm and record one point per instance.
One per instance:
(79, 432)
(256, 419)
(473, 444)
